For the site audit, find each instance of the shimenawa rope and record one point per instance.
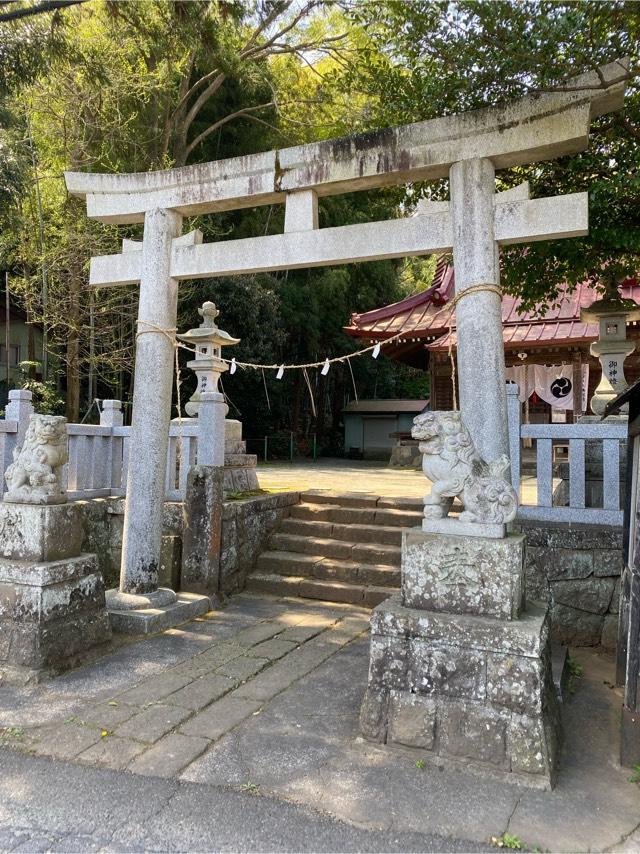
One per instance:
(171, 332)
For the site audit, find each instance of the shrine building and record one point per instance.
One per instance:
(543, 348)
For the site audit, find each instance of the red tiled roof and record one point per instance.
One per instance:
(423, 316)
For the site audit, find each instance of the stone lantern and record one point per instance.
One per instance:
(207, 365)
(612, 347)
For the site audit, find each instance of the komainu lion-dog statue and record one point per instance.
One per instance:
(455, 469)
(35, 475)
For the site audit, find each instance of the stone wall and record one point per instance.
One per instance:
(577, 568)
(246, 525)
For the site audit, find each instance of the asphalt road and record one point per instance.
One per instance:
(47, 805)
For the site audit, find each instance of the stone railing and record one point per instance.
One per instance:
(604, 441)
(99, 453)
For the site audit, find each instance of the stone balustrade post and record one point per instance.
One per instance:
(111, 416)
(111, 413)
(19, 409)
(514, 424)
(211, 429)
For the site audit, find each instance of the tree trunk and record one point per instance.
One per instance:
(297, 402)
(73, 345)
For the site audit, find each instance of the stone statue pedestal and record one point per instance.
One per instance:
(240, 473)
(459, 670)
(52, 603)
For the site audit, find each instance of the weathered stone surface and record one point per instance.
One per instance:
(451, 672)
(472, 689)
(146, 621)
(568, 563)
(112, 752)
(203, 530)
(65, 741)
(151, 724)
(388, 662)
(537, 584)
(374, 714)
(37, 533)
(609, 636)
(614, 607)
(514, 681)
(50, 612)
(575, 567)
(562, 536)
(575, 627)
(607, 562)
(530, 750)
(592, 595)
(475, 732)
(246, 527)
(412, 720)
(199, 693)
(463, 575)
(527, 636)
(170, 561)
(169, 755)
(220, 717)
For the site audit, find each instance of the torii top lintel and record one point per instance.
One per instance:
(534, 128)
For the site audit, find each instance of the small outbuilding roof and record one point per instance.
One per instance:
(361, 406)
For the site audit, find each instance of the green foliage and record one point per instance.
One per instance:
(421, 764)
(112, 86)
(47, 400)
(574, 667)
(507, 840)
(635, 774)
(429, 58)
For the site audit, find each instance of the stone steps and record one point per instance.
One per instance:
(386, 534)
(315, 566)
(356, 515)
(342, 549)
(311, 588)
(337, 547)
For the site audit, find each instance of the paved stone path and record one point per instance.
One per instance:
(263, 699)
(376, 478)
(166, 721)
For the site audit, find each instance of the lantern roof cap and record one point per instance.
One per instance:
(208, 330)
(610, 306)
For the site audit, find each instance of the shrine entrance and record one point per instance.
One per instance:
(467, 149)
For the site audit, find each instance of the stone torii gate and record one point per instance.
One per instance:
(466, 148)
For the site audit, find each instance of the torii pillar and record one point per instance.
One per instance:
(480, 347)
(151, 416)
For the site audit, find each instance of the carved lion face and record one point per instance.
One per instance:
(428, 425)
(48, 429)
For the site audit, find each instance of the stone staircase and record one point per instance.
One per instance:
(339, 548)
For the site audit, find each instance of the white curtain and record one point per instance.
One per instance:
(523, 375)
(552, 383)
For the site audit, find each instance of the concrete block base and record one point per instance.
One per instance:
(466, 689)
(51, 615)
(148, 621)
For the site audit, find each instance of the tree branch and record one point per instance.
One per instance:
(202, 99)
(264, 25)
(258, 49)
(245, 111)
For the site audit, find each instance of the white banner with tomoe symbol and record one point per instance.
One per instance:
(552, 383)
